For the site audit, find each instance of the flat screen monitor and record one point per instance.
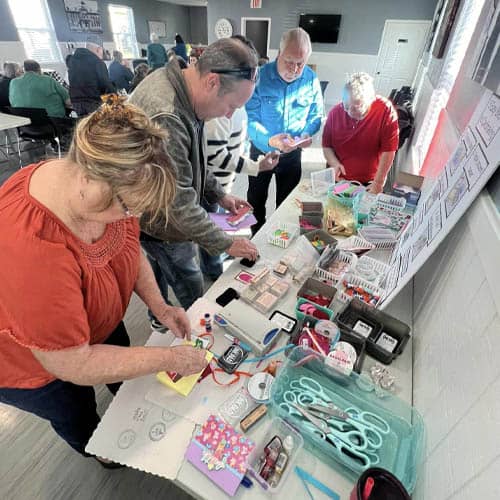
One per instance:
(322, 28)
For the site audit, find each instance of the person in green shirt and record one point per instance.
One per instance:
(34, 90)
(157, 55)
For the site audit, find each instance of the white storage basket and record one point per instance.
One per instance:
(337, 255)
(274, 239)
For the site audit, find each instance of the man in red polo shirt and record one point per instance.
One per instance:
(361, 134)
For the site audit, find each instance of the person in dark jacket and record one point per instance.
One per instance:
(157, 55)
(10, 71)
(119, 74)
(180, 47)
(141, 71)
(88, 79)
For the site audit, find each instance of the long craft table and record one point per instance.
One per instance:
(158, 404)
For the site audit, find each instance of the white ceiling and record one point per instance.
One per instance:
(194, 3)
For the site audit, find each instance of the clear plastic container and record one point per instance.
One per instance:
(402, 446)
(292, 444)
(322, 180)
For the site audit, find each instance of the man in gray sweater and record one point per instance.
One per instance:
(180, 100)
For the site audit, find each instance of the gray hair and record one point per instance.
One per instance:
(117, 56)
(154, 38)
(10, 69)
(360, 86)
(227, 53)
(296, 36)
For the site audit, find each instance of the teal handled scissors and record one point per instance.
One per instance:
(311, 394)
(350, 436)
(356, 459)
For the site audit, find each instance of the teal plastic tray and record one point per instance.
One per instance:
(402, 449)
(300, 315)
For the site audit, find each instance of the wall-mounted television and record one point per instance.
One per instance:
(322, 28)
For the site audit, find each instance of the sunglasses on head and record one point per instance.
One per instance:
(246, 73)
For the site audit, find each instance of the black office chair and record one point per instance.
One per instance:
(136, 62)
(323, 84)
(41, 130)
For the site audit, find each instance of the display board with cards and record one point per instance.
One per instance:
(469, 168)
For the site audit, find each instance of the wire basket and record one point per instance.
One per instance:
(330, 256)
(371, 270)
(350, 281)
(282, 234)
(355, 243)
(381, 238)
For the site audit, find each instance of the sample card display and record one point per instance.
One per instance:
(469, 168)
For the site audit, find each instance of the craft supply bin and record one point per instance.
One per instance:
(323, 236)
(383, 323)
(276, 427)
(402, 448)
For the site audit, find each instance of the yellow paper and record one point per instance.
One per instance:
(185, 385)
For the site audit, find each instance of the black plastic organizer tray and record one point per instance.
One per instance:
(385, 336)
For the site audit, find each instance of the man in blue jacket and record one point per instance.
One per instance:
(287, 105)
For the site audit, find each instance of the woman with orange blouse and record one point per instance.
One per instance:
(70, 260)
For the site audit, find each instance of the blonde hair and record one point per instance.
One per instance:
(119, 145)
(359, 86)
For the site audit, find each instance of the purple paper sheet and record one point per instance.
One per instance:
(221, 221)
(227, 479)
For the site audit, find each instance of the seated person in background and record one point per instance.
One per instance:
(157, 55)
(69, 240)
(119, 74)
(10, 71)
(34, 90)
(361, 134)
(180, 47)
(141, 71)
(194, 55)
(88, 78)
(287, 102)
(226, 139)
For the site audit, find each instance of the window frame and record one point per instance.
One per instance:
(132, 34)
(49, 29)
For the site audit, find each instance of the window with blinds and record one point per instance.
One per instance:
(36, 31)
(123, 28)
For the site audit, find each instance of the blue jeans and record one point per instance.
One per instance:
(70, 408)
(175, 264)
(211, 265)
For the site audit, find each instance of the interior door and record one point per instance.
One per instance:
(400, 51)
(257, 30)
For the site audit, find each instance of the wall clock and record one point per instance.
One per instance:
(223, 28)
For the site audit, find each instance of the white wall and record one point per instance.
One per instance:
(334, 67)
(456, 360)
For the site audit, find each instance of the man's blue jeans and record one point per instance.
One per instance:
(175, 264)
(211, 265)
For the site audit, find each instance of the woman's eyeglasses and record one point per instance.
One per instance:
(126, 210)
(247, 73)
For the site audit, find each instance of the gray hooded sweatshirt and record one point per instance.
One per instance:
(164, 97)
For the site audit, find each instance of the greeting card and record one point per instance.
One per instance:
(221, 453)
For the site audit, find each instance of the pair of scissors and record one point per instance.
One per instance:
(368, 420)
(350, 437)
(348, 453)
(371, 425)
